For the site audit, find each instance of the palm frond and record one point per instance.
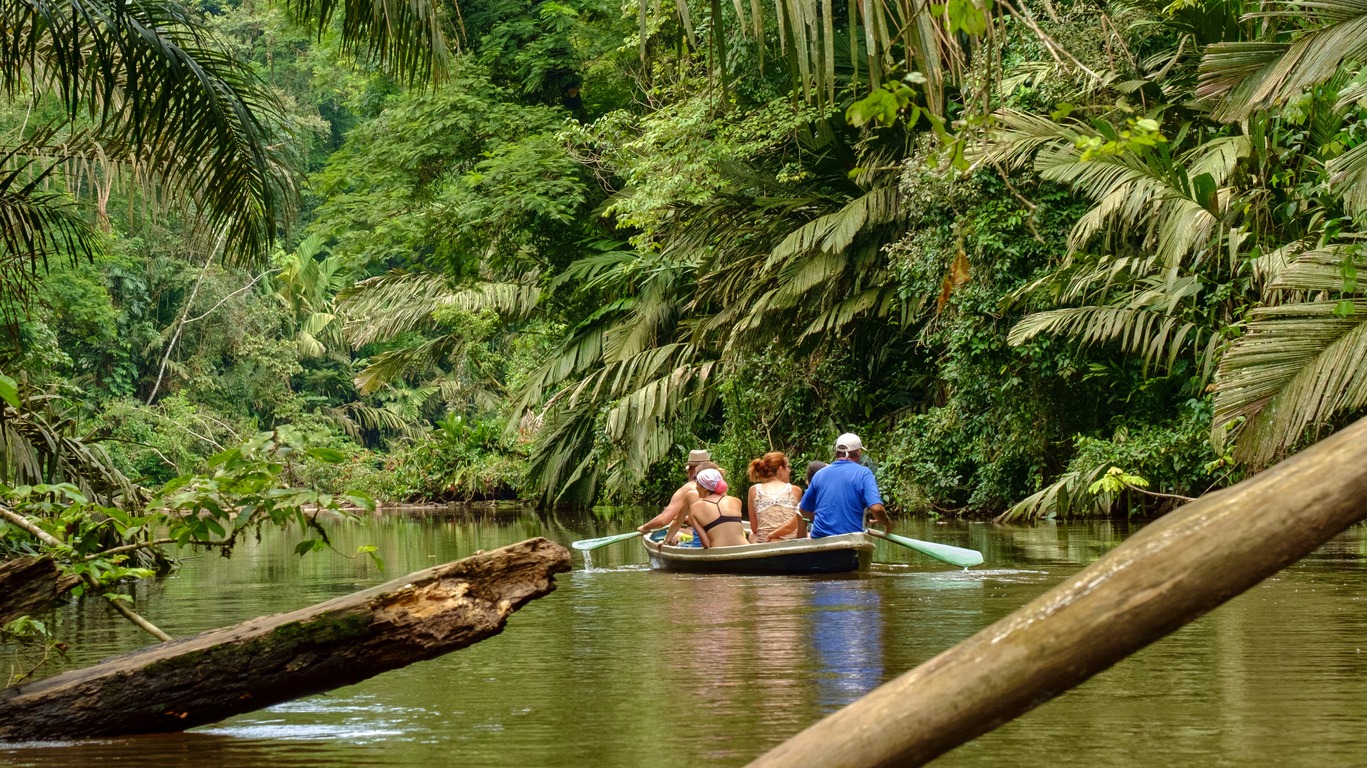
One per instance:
(639, 400)
(400, 302)
(1297, 367)
(405, 37)
(163, 93)
(424, 357)
(1069, 496)
(1156, 336)
(1175, 205)
(1131, 194)
(834, 232)
(354, 418)
(1348, 177)
(1321, 269)
(38, 444)
(1014, 138)
(1249, 76)
(35, 224)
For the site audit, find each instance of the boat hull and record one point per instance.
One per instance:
(833, 554)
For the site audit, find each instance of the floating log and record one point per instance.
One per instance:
(30, 584)
(1171, 572)
(223, 672)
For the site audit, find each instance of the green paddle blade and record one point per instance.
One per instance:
(952, 555)
(584, 545)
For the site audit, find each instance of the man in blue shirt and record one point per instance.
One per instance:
(841, 492)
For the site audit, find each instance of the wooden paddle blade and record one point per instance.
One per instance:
(584, 545)
(964, 558)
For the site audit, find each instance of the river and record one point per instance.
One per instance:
(609, 669)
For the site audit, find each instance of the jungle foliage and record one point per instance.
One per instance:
(1046, 257)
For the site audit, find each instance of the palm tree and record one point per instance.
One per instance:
(146, 94)
(40, 443)
(1182, 240)
(759, 265)
(410, 308)
(1140, 260)
(1302, 43)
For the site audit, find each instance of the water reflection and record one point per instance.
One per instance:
(847, 635)
(624, 666)
(193, 749)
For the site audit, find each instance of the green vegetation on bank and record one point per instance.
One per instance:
(1047, 257)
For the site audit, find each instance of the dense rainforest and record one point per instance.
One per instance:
(1047, 258)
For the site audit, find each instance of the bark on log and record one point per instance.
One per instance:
(30, 584)
(1167, 575)
(202, 679)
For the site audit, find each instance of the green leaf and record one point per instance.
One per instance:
(966, 16)
(328, 455)
(9, 391)
(373, 552)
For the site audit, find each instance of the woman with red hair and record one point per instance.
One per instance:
(773, 499)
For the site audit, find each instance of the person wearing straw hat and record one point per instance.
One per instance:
(680, 499)
(840, 493)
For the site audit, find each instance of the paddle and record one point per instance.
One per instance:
(584, 545)
(952, 555)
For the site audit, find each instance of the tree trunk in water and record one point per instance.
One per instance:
(1168, 574)
(267, 660)
(30, 584)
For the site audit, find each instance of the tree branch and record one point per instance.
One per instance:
(180, 323)
(225, 299)
(23, 523)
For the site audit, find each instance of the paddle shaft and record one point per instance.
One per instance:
(585, 545)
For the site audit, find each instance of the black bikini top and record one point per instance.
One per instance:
(720, 517)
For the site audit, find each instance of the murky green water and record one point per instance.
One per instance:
(623, 666)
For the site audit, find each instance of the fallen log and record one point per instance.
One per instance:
(30, 584)
(223, 672)
(1168, 574)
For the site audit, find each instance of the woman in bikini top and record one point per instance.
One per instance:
(716, 516)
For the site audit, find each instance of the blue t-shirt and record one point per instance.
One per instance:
(838, 496)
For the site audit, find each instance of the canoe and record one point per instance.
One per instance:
(832, 554)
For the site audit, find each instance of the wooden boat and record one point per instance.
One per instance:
(832, 554)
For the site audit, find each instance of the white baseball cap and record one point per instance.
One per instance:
(848, 442)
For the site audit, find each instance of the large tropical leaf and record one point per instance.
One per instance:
(641, 400)
(1069, 496)
(1154, 332)
(1173, 208)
